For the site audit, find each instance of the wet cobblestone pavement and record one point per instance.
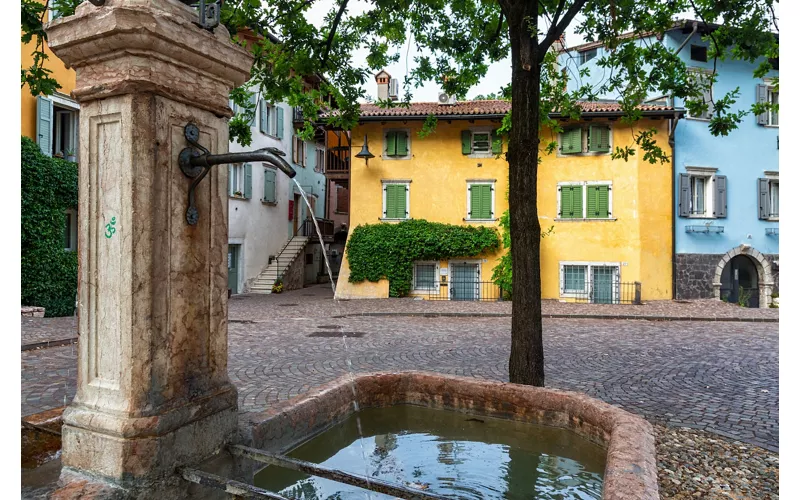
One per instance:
(717, 376)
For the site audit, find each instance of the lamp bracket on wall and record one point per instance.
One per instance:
(196, 161)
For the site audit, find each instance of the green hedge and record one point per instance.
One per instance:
(49, 273)
(376, 251)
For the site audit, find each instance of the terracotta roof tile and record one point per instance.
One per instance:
(483, 108)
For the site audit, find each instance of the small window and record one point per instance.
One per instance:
(574, 279)
(240, 178)
(298, 151)
(395, 200)
(396, 144)
(587, 55)
(425, 276)
(309, 259)
(342, 199)
(320, 165)
(71, 230)
(772, 96)
(773, 199)
(699, 195)
(699, 53)
(481, 142)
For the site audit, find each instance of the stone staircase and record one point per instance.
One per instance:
(293, 248)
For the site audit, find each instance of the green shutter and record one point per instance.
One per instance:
(395, 201)
(480, 201)
(391, 143)
(599, 136)
(571, 202)
(269, 185)
(602, 202)
(402, 143)
(254, 102)
(401, 201)
(466, 142)
(230, 180)
(44, 125)
(263, 124)
(279, 131)
(248, 181)
(312, 156)
(571, 141)
(597, 202)
(497, 142)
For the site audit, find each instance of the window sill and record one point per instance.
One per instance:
(235, 197)
(610, 219)
(772, 219)
(393, 158)
(481, 156)
(270, 203)
(271, 136)
(709, 217)
(772, 126)
(382, 219)
(480, 220)
(585, 153)
(341, 213)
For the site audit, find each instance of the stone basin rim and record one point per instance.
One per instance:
(630, 473)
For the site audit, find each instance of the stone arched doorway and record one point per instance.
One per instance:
(744, 270)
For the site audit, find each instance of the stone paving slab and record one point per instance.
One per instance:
(717, 376)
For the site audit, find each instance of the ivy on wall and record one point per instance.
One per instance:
(49, 273)
(376, 251)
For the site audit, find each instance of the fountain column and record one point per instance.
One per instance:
(153, 388)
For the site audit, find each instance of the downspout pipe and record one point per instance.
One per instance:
(672, 126)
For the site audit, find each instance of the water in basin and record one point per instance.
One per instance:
(447, 453)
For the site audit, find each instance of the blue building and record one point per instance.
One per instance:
(726, 189)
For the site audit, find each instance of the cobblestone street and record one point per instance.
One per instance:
(721, 376)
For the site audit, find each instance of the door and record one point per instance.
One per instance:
(233, 268)
(604, 285)
(296, 215)
(464, 282)
(743, 279)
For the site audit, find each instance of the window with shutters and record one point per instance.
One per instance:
(704, 79)
(585, 200)
(395, 200)
(298, 151)
(703, 193)
(769, 197)
(773, 199)
(320, 164)
(587, 140)
(425, 274)
(240, 180)
(481, 142)
(772, 97)
(397, 144)
(480, 200)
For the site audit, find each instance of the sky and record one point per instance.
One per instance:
(498, 75)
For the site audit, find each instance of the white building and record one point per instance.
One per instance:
(267, 228)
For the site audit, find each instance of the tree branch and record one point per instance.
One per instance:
(497, 32)
(332, 33)
(560, 26)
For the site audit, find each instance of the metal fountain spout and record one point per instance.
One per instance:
(196, 161)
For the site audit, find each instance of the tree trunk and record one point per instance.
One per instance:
(526, 363)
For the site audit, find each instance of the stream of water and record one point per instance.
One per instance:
(344, 336)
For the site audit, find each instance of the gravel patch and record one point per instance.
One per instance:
(698, 464)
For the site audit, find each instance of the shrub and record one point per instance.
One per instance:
(49, 273)
(376, 251)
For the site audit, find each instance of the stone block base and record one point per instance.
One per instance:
(142, 454)
(694, 275)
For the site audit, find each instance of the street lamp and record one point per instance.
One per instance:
(364, 153)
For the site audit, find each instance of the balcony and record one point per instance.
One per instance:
(325, 226)
(297, 115)
(705, 229)
(337, 162)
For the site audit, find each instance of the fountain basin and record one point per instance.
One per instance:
(630, 461)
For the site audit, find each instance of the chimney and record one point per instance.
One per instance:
(560, 44)
(383, 79)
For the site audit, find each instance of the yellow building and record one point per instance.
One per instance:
(611, 219)
(51, 121)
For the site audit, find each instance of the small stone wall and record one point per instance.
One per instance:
(694, 275)
(294, 277)
(33, 311)
(630, 473)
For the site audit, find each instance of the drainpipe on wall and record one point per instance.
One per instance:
(672, 126)
(694, 30)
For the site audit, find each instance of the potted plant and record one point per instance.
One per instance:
(238, 194)
(71, 155)
(277, 287)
